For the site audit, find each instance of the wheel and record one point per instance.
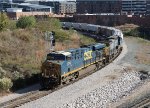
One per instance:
(76, 75)
(104, 62)
(98, 65)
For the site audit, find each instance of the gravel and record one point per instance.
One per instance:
(100, 89)
(97, 90)
(135, 47)
(103, 95)
(19, 93)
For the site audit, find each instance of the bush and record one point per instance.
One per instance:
(55, 23)
(12, 25)
(26, 22)
(133, 32)
(2, 72)
(50, 24)
(5, 84)
(3, 21)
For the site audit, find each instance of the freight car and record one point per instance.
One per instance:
(60, 67)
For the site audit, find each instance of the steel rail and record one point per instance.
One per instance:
(31, 96)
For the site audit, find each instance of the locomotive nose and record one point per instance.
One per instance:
(49, 74)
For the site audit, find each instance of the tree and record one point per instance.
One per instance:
(4, 20)
(26, 22)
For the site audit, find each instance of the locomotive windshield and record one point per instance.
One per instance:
(55, 57)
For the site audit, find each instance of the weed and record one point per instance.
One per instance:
(25, 49)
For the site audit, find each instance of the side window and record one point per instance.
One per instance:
(82, 54)
(68, 69)
(72, 56)
(78, 57)
(68, 58)
(75, 56)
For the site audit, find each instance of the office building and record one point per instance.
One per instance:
(65, 7)
(134, 7)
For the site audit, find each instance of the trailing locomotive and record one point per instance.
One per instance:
(63, 66)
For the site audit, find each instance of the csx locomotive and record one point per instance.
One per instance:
(63, 66)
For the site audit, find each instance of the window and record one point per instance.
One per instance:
(68, 58)
(68, 69)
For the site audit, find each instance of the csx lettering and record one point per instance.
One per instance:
(88, 55)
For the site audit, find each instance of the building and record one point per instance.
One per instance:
(148, 7)
(134, 7)
(27, 7)
(14, 10)
(26, 1)
(54, 4)
(98, 6)
(66, 7)
(5, 5)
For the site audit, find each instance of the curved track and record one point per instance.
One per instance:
(31, 96)
(142, 103)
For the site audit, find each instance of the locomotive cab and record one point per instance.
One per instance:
(51, 69)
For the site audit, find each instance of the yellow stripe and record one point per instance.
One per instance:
(72, 71)
(79, 69)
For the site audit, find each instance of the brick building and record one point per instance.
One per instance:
(61, 7)
(98, 6)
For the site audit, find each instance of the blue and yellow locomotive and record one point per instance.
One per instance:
(63, 66)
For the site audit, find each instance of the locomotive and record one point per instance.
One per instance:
(61, 67)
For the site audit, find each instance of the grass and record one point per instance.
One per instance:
(23, 50)
(135, 31)
(127, 27)
(142, 59)
(143, 54)
(143, 41)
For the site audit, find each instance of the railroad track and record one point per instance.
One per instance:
(31, 96)
(143, 103)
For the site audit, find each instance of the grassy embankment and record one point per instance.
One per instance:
(143, 54)
(23, 50)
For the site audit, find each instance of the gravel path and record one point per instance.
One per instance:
(93, 89)
(102, 96)
(19, 93)
(134, 47)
